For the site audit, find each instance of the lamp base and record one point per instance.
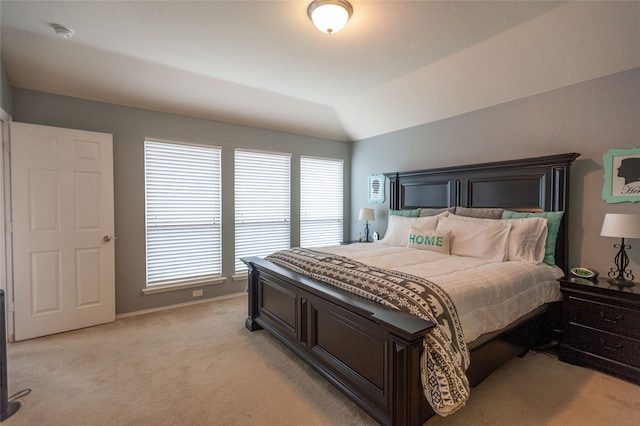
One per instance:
(9, 410)
(621, 282)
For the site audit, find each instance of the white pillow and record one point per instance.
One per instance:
(527, 239)
(399, 226)
(485, 238)
(429, 239)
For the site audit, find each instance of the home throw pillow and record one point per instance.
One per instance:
(429, 239)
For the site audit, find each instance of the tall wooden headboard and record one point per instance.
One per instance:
(530, 184)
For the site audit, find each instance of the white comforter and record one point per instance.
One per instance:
(488, 295)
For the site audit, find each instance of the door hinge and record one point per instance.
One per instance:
(12, 306)
(10, 227)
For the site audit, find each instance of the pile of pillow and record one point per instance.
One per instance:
(495, 234)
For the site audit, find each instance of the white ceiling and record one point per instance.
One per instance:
(395, 65)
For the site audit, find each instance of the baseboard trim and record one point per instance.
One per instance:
(180, 305)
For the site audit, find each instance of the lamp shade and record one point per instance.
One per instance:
(621, 225)
(366, 214)
(329, 16)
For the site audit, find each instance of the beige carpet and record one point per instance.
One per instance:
(198, 365)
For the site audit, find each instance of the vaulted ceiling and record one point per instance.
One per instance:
(395, 65)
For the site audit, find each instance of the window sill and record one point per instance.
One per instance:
(182, 286)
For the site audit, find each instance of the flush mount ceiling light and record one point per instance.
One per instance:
(330, 16)
(62, 31)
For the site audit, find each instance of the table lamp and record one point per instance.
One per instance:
(366, 215)
(621, 226)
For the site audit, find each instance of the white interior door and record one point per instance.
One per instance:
(62, 215)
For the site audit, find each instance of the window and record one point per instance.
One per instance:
(183, 217)
(320, 202)
(262, 204)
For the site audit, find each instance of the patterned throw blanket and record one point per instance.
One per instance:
(445, 357)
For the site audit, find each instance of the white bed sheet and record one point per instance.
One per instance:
(488, 295)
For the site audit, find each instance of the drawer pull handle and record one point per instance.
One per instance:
(615, 320)
(613, 348)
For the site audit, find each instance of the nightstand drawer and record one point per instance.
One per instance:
(605, 317)
(607, 345)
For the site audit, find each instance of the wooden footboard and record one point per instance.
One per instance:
(369, 352)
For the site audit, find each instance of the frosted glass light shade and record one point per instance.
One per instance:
(329, 16)
(366, 214)
(621, 225)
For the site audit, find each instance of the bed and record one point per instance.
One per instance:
(373, 353)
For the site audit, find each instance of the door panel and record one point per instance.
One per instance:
(89, 277)
(62, 207)
(45, 280)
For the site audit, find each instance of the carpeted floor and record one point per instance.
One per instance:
(198, 365)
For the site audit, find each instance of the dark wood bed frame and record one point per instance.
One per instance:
(372, 353)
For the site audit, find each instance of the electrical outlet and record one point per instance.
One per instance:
(197, 293)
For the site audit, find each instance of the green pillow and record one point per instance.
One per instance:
(405, 213)
(553, 226)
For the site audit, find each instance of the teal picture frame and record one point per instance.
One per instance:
(376, 189)
(621, 175)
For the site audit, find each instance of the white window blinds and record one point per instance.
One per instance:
(183, 214)
(262, 204)
(321, 198)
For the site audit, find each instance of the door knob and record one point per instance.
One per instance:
(108, 238)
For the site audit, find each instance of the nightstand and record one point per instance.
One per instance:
(601, 326)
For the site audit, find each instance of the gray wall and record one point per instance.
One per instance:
(5, 91)
(130, 127)
(589, 118)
